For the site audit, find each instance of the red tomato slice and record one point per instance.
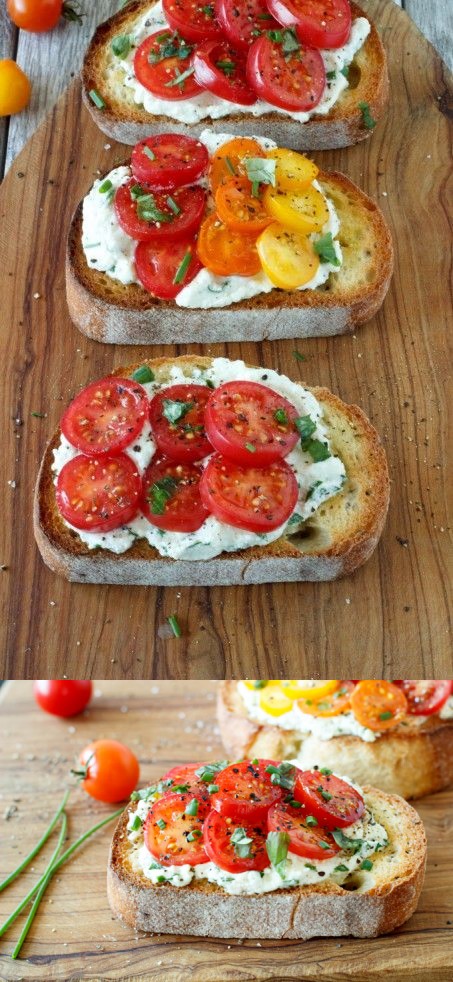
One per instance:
(294, 81)
(169, 160)
(425, 696)
(177, 416)
(98, 495)
(171, 835)
(171, 496)
(166, 268)
(244, 415)
(106, 416)
(162, 64)
(219, 833)
(221, 70)
(243, 23)
(304, 840)
(333, 802)
(194, 21)
(319, 23)
(155, 216)
(246, 791)
(184, 776)
(249, 498)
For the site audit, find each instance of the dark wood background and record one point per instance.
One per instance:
(392, 614)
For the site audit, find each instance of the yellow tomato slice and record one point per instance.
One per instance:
(226, 162)
(303, 211)
(260, 683)
(308, 688)
(287, 257)
(274, 701)
(293, 171)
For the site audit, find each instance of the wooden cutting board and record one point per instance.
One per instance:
(396, 368)
(75, 936)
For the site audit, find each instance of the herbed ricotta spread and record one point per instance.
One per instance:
(207, 105)
(110, 250)
(317, 481)
(294, 871)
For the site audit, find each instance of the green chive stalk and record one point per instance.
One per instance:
(42, 889)
(13, 876)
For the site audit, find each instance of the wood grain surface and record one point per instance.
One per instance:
(397, 609)
(52, 59)
(75, 936)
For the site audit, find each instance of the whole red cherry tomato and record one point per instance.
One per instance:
(62, 697)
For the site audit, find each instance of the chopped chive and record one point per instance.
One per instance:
(173, 205)
(173, 622)
(143, 374)
(97, 99)
(192, 807)
(311, 821)
(297, 355)
(213, 788)
(38, 415)
(341, 868)
(281, 417)
(387, 715)
(250, 447)
(149, 153)
(121, 45)
(162, 825)
(230, 166)
(179, 79)
(210, 383)
(194, 834)
(367, 864)
(136, 824)
(105, 186)
(367, 119)
(183, 267)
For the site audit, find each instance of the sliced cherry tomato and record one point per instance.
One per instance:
(162, 64)
(239, 208)
(177, 416)
(425, 696)
(109, 770)
(169, 160)
(155, 216)
(246, 791)
(287, 257)
(294, 81)
(319, 23)
(98, 495)
(228, 160)
(15, 88)
(250, 424)
(308, 688)
(194, 21)
(222, 839)
(304, 211)
(221, 70)
(331, 704)
(274, 701)
(249, 498)
(310, 840)
(185, 777)
(35, 15)
(293, 171)
(245, 21)
(333, 802)
(165, 269)
(171, 495)
(173, 835)
(106, 416)
(62, 697)
(378, 704)
(225, 252)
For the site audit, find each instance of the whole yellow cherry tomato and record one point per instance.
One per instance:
(15, 88)
(288, 258)
(293, 171)
(274, 701)
(303, 211)
(308, 688)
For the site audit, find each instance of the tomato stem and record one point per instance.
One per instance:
(13, 876)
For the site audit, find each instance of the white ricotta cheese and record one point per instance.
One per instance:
(215, 537)
(106, 247)
(324, 728)
(209, 106)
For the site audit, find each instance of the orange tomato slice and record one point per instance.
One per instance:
(226, 162)
(239, 209)
(378, 704)
(226, 252)
(331, 704)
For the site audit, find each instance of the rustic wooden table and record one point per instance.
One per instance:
(51, 60)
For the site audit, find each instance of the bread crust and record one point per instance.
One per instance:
(342, 126)
(108, 311)
(342, 537)
(412, 760)
(371, 904)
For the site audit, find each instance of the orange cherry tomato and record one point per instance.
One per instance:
(15, 88)
(109, 771)
(239, 209)
(35, 15)
(226, 252)
(332, 704)
(226, 162)
(378, 704)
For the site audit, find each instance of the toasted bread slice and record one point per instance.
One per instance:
(340, 536)
(124, 120)
(109, 311)
(412, 760)
(368, 904)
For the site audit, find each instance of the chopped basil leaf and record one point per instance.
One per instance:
(260, 683)
(143, 374)
(348, 845)
(192, 807)
(210, 383)
(298, 356)
(325, 771)
(97, 99)
(367, 119)
(208, 10)
(180, 79)
(181, 788)
(242, 843)
(281, 417)
(213, 788)
(324, 247)
(227, 67)
(260, 169)
(121, 45)
(282, 775)
(148, 211)
(367, 864)
(160, 492)
(310, 866)
(306, 426)
(173, 205)
(341, 869)
(324, 845)
(317, 450)
(170, 46)
(311, 490)
(345, 71)
(173, 410)
(330, 76)
(277, 845)
(207, 772)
